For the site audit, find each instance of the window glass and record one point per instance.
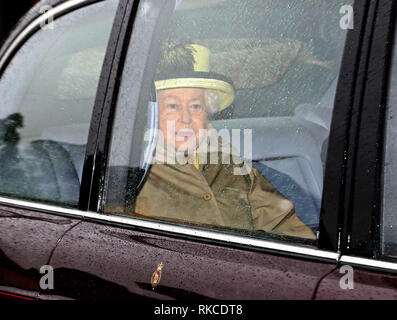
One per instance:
(389, 216)
(47, 96)
(234, 135)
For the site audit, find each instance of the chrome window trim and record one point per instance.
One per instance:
(180, 230)
(21, 292)
(203, 234)
(365, 262)
(35, 25)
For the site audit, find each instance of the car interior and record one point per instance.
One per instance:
(57, 73)
(286, 150)
(289, 140)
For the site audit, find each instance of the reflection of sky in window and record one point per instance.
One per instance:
(314, 23)
(256, 18)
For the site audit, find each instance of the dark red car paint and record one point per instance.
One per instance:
(94, 261)
(367, 285)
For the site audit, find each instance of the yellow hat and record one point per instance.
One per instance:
(219, 88)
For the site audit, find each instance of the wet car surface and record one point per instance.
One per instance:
(57, 210)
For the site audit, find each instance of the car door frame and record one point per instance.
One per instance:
(97, 191)
(360, 228)
(361, 235)
(97, 148)
(358, 233)
(331, 213)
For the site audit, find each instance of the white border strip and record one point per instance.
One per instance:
(159, 226)
(37, 22)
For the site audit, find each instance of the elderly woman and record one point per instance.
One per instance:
(200, 191)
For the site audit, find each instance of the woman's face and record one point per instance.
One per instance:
(182, 113)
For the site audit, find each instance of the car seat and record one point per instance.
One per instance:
(39, 170)
(286, 153)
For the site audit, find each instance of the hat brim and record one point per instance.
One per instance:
(223, 89)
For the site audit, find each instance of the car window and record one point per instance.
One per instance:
(47, 96)
(234, 137)
(389, 206)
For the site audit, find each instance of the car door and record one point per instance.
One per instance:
(110, 255)
(367, 240)
(49, 77)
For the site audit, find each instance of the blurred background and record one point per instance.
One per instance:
(10, 13)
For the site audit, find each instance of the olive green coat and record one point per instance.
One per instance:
(214, 195)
